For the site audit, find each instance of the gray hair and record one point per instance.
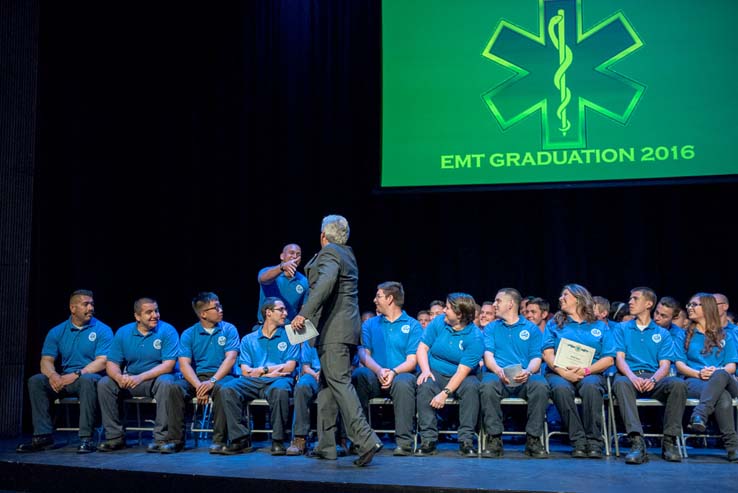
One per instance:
(336, 229)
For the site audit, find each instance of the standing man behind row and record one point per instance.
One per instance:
(389, 343)
(81, 345)
(333, 307)
(284, 282)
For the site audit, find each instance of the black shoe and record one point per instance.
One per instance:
(426, 449)
(637, 454)
(594, 451)
(172, 447)
(580, 450)
(314, 454)
(155, 446)
(534, 448)
(353, 449)
(365, 458)
(401, 451)
(240, 446)
(697, 423)
(111, 445)
(86, 446)
(466, 449)
(493, 448)
(37, 444)
(670, 449)
(278, 448)
(216, 448)
(732, 455)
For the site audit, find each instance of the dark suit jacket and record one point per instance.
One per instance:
(333, 304)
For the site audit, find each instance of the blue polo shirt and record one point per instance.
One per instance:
(207, 351)
(644, 349)
(513, 344)
(450, 348)
(258, 351)
(136, 353)
(391, 342)
(694, 358)
(293, 292)
(309, 356)
(595, 334)
(77, 346)
(675, 331)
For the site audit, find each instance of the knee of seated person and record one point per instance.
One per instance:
(37, 380)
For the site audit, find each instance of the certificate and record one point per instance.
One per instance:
(570, 353)
(304, 335)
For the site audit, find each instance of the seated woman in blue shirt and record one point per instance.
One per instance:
(576, 322)
(707, 357)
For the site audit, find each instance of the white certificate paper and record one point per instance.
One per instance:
(511, 372)
(304, 335)
(570, 353)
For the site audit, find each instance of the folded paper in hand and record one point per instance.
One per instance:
(298, 337)
(511, 372)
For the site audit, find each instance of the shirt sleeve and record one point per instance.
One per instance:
(534, 348)
(619, 339)
(51, 343)
(293, 352)
(185, 343)
(680, 353)
(431, 331)
(244, 357)
(489, 339)
(608, 343)
(548, 340)
(366, 336)
(170, 344)
(473, 352)
(231, 339)
(416, 332)
(666, 347)
(731, 354)
(116, 348)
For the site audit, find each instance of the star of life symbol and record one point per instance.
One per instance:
(563, 70)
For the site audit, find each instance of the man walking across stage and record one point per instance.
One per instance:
(333, 307)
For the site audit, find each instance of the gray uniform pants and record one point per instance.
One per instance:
(716, 396)
(492, 391)
(671, 391)
(305, 392)
(41, 394)
(591, 389)
(110, 396)
(229, 402)
(336, 394)
(468, 395)
(179, 394)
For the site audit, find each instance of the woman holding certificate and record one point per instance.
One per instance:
(707, 357)
(578, 349)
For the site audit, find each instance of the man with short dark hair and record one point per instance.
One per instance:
(140, 364)
(537, 311)
(644, 355)
(436, 308)
(81, 345)
(666, 309)
(389, 343)
(207, 352)
(283, 281)
(423, 318)
(487, 314)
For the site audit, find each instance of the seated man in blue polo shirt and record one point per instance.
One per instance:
(644, 355)
(513, 341)
(140, 364)
(284, 282)
(448, 356)
(389, 342)
(81, 345)
(267, 361)
(207, 352)
(666, 309)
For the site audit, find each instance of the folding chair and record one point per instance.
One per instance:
(514, 401)
(200, 428)
(140, 423)
(605, 426)
(693, 402)
(385, 401)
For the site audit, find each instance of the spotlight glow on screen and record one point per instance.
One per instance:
(510, 92)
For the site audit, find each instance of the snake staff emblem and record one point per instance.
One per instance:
(556, 31)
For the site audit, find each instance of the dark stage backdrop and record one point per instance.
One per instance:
(180, 147)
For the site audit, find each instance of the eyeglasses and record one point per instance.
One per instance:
(282, 309)
(217, 307)
(692, 305)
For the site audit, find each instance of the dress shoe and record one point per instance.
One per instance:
(580, 450)
(365, 458)
(278, 448)
(239, 446)
(493, 448)
(466, 449)
(155, 446)
(172, 447)
(86, 446)
(697, 423)
(637, 454)
(732, 455)
(112, 444)
(314, 454)
(37, 444)
(401, 451)
(534, 448)
(426, 449)
(670, 449)
(297, 446)
(216, 448)
(594, 453)
(353, 449)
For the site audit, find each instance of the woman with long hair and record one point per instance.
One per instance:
(576, 321)
(707, 358)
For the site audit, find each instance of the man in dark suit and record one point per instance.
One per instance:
(333, 307)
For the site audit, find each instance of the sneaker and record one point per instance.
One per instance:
(86, 446)
(297, 446)
(534, 448)
(37, 444)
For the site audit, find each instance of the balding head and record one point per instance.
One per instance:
(722, 304)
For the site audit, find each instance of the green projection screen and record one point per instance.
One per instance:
(511, 92)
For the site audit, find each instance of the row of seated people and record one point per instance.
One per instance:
(419, 369)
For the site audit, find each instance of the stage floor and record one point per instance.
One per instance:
(134, 470)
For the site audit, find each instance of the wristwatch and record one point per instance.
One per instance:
(265, 370)
(653, 380)
(213, 380)
(78, 373)
(446, 390)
